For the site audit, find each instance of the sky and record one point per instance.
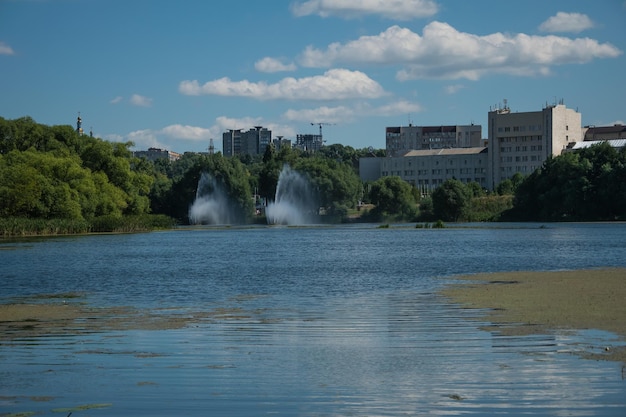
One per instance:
(176, 74)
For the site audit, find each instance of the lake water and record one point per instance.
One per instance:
(330, 321)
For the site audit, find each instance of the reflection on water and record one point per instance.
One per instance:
(315, 322)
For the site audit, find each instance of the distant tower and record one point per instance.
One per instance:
(211, 147)
(79, 125)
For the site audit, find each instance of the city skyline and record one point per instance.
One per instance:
(175, 75)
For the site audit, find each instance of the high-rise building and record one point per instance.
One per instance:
(251, 142)
(309, 143)
(231, 142)
(520, 142)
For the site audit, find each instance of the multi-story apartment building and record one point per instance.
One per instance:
(520, 142)
(231, 142)
(428, 169)
(308, 142)
(252, 142)
(402, 139)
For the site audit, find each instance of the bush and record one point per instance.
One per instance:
(129, 224)
(20, 226)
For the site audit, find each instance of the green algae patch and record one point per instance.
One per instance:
(81, 408)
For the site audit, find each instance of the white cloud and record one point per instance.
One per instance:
(334, 84)
(141, 101)
(344, 114)
(186, 132)
(397, 108)
(327, 114)
(567, 22)
(224, 123)
(443, 52)
(6, 49)
(117, 100)
(268, 64)
(454, 88)
(393, 9)
(144, 139)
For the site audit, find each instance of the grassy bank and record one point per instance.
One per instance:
(19, 226)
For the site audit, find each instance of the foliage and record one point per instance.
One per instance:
(488, 208)
(20, 226)
(510, 185)
(337, 185)
(451, 200)
(54, 173)
(393, 198)
(586, 185)
(228, 171)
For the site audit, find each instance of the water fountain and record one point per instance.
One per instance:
(212, 204)
(294, 203)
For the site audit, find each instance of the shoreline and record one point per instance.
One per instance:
(526, 302)
(514, 303)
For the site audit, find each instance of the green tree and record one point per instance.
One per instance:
(450, 200)
(337, 185)
(229, 172)
(393, 199)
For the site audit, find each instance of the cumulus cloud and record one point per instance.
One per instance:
(6, 49)
(334, 84)
(141, 101)
(397, 108)
(327, 114)
(444, 52)
(117, 100)
(224, 123)
(567, 22)
(268, 64)
(392, 9)
(158, 138)
(144, 139)
(186, 132)
(343, 114)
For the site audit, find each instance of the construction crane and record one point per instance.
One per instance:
(320, 124)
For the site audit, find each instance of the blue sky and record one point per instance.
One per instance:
(173, 74)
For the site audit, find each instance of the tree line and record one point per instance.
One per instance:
(52, 172)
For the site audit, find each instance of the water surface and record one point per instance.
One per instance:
(324, 321)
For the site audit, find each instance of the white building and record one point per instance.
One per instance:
(152, 154)
(520, 142)
(428, 169)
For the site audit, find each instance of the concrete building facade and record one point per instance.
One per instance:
(401, 139)
(152, 154)
(251, 142)
(593, 133)
(428, 169)
(309, 143)
(520, 142)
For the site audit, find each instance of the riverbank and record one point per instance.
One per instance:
(26, 227)
(540, 302)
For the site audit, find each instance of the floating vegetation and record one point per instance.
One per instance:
(81, 408)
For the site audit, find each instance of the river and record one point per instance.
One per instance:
(330, 321)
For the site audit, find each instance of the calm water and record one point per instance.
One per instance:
(332, 321)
